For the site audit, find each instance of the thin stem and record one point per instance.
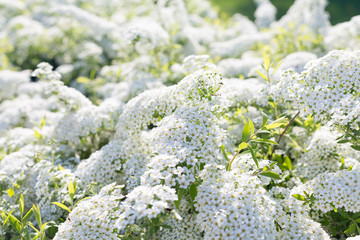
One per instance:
(268, 75)
(275, 108)
(282, 134)
(257, 172)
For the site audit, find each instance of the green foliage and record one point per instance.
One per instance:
(342, 222)
(72, 203)
(351, 136)
(21, 222)
(249, 135)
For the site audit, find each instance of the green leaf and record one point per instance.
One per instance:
(32, 226)
(262, 140)
(37, 134)
(81, 200)
(277, 66)
(246, 132)
(177, 204)
(180, 194)
(355, 147)
(287, 162)
(344, 222)
(271, 175)
(42, 122)
(52, 230)
(351, 228)
(93, 73)
(254, 156)
(343, 141)
(333, 230)
(8, 217)
(224, 153)
(28, 215)
(277, 123)
(264, 120)
(62, 206)
(167, 226)
(252, 128)
(342, 162)
(358, 220)
(71, 189)
(344, 214)
(36, 237)
(299, 197)
(37, 214)
(14, 222)
(74, 184)
(242, 146)
(61, 168)
(83, 80)
(21, 204)
(193, 191)
(11, 192)
(43, 227)
(262, 75)
(24, 234)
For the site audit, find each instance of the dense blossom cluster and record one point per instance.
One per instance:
(334, 190)
(51, 186)
(323, 154)
(327, 87)
(182, 224)
(93, 218)
(162, 119)
(144, 202)
(234, 205)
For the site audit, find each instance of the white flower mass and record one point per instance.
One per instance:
(164, 119)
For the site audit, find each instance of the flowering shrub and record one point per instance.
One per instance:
(167, 120)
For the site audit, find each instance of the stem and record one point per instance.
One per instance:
(268, 75)
(247, 141)
(282, 134)
(257, 172)
(276, 113)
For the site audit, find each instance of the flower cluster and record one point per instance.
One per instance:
(234, 205)
(93, 218)
(127, 130)
(51, 186)
(144, 202)
(323, 154)
(334, 190)
(327, 88)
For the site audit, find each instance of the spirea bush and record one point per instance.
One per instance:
(165, 119)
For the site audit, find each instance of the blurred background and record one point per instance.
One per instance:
(339, 10)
